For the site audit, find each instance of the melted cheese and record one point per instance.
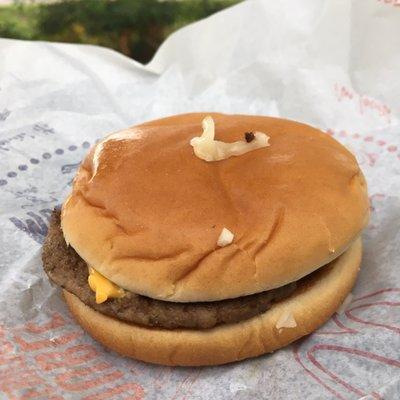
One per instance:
(103, 287)
(209, 149)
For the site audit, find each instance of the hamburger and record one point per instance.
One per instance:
(204, 238)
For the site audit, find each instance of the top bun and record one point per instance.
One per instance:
(147, 213)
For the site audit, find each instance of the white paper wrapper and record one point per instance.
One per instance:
(332, 64)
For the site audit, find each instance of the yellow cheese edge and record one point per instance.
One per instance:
(103, 287)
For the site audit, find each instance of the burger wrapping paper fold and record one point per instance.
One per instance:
(331, 64)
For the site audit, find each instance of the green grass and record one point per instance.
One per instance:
(19, 21)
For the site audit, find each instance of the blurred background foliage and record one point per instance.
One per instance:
(134, 27)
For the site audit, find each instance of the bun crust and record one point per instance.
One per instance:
(311, 305)
(150, 217)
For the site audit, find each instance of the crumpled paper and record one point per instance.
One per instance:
(332, 64)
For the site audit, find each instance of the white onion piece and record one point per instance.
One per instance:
(286, 320)
(209, 149)
(225, 238)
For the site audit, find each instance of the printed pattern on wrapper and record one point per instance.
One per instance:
(44, 354)
(55, 357)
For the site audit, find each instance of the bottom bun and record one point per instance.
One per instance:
(313, 302)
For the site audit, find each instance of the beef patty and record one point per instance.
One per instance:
(67, 269)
